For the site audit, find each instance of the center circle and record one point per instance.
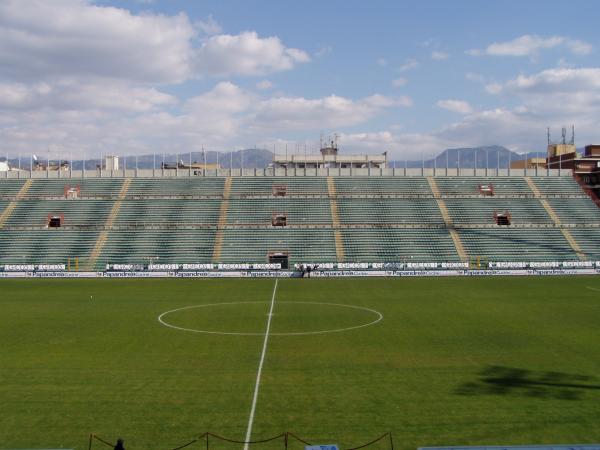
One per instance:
(289, 318)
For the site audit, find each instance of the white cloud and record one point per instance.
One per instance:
(399, 82)
(209, 25)
(299, 113)
(409, 64)
(224, 98)
(531, 45)
(578, 47)
(246, 54)
(382, 62)
(493, 88)
(75, 95)
(439, 56)
(221, 118)
(264, 85)
(560, 91)
(475, 77)
(458, 106)
(43, 40)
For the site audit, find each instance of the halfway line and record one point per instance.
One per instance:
(260, 366)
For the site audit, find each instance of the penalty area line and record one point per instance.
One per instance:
(260, 367)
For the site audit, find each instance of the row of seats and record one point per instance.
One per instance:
(481, 210)
(389, 210)
(302, 211)
(10, 188)
(164, 211)
(575, 210)
(299, 211)
(381, 186)
(558, 186)
(262, 186)
(304, 245)
(159, 246)
(75, 212)
(398, 245)
(45, 246)
(191, 186)
(248, 236)
(589, 241)
(517, 244)
(88, 187)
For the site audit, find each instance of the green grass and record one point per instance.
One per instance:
(439, 369)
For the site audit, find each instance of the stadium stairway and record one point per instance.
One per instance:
(460, 250)
(97, 250)
(12, 205)
(335, 219)
(222, 221)
(566, 233)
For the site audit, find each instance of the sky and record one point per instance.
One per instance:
(84, 78)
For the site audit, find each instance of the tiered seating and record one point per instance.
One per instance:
(168, 211)
(575, 210)
(558, 186)
(89, 187)
(589, 241)
(391, 219)
(76, 212)
(398, 245)
(481, 210)
(516, 244)
(250, 186)
(193, 186)
(388, 210)
(382, 186)
(303, 245)
(159, 246)
(300, 211)
(469, 186)
(52, 246)
(9, 188)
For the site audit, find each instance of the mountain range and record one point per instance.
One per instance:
(470, 157)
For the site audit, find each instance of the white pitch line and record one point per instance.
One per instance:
(260, 366)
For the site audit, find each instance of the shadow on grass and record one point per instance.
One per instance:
(499, 380)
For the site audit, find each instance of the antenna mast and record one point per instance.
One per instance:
(572, 134)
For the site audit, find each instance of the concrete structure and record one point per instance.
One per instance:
(530, 163)
(329, 158)
(590, 162)
(560, 149)
(111, 162)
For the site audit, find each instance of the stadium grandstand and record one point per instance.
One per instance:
(172, 219)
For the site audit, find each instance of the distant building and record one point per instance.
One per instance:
(529, 163)
(111, 162)
(561, 155)
(329, 157)
(590, 162)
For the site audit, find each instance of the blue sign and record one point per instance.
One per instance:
(322, 447)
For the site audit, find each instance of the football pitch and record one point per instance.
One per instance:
(436, 361)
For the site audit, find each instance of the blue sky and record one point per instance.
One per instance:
(407, 77)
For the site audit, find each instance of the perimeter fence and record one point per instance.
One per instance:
(283, 441)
